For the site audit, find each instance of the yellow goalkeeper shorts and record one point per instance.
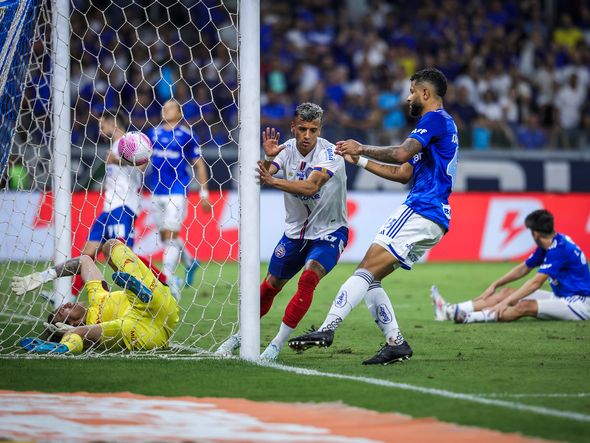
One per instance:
(133, 334)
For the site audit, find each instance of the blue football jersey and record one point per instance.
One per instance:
(435, 166)
(565, 264)
(171, 163)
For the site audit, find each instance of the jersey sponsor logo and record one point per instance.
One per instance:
(330, 153)
(446, 210)
(545, 266)
(419, 131)
(505, 235)
(341, 299)
(307, 198)
(280, 250)
(384, 314)
(417, 157)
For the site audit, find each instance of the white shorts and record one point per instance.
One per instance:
(407, 236)
(551, 307)
(169, 211)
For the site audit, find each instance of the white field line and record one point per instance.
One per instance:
(28, 318)
(547, 394)
(474, 398)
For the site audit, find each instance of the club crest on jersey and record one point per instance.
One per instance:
(280, 250)
(341, 299)
(383, 314)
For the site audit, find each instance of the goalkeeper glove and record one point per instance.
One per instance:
(22, 285)
(59, 327)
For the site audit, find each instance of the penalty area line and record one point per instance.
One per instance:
(473, 398)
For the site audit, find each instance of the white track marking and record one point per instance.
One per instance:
(474, 398)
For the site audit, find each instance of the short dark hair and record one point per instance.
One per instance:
(434, 77)
(120, 119)
(541, 221)
(309, 112)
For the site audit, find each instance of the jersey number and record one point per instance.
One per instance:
(116, 231)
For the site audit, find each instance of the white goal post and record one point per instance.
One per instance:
(249, 44)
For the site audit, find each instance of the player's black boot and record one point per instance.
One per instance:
(322, 339)
(390, 354)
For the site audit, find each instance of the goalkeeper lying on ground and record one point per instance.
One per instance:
(140, 317)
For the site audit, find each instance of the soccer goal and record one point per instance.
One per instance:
(64, 64)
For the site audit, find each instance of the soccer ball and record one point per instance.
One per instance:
(136, 148)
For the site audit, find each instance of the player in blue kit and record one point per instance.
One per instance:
(559, 260)
(176, 152)
(429, 157)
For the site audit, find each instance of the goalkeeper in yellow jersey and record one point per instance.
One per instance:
(140, 317)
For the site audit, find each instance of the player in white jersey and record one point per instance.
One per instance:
(316, 230)
(429, 157)
(122, 197)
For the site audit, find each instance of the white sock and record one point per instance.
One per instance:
(466, 306)
(381, 309)
(171, 258)
(481, 317)
(452, 310)
(282, 336)
(351, 293)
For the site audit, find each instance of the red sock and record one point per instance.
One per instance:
(267, 296)
(77, 285)
(301, 301)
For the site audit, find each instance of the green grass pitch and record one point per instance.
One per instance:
(520, 362)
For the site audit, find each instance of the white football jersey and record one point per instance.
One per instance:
(313, 217)
(122, 185)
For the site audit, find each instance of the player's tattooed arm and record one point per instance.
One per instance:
(393, 154)
(386, 154)
(68, 268)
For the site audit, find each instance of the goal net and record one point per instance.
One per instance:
(126, 58)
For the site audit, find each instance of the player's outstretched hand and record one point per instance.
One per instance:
(22, 285)
(352, 159)
(270, 142)
(350, 147)
(264, 177)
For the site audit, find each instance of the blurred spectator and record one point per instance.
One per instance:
(531, 135)
(568, 106)
(276, 113)
(567, 34)
(522, 53)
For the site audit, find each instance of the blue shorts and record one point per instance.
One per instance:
(290, 255)
(115, 224)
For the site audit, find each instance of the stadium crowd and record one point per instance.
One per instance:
(519, 73)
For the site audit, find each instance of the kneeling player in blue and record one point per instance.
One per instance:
(559, 260)
(316, 218)
(429, 157)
